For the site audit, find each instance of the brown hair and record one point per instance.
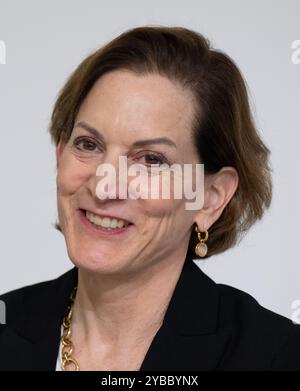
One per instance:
(223, 128)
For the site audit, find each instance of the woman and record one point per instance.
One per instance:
(135, 300)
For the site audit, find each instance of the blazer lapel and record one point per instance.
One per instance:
(189, 338)
(172, 351)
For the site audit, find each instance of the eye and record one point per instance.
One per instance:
(85, 144)
(153, 159)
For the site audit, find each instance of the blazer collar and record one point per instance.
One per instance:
(193, 308)
(190, 337)
(187, 339)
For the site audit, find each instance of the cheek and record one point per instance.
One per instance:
(169, 211)
(161, 208)
(167, 222)
(71, 175)
(166, 192)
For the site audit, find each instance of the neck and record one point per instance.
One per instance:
(120, 309)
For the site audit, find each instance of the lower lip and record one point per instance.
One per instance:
(102, 231)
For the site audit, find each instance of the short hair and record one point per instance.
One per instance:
(223, 128)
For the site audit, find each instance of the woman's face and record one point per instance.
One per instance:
(148, 120)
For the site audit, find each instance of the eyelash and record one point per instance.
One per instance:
(161, 158)
(158, 157)
(79, 140)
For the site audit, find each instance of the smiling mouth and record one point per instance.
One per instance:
(105, 222)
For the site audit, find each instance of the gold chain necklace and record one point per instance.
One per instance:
(67, 345)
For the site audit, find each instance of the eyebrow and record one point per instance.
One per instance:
(90, 129)
(139, 143)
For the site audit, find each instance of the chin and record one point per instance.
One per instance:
(99, 262)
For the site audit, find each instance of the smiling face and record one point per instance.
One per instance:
(121, 113)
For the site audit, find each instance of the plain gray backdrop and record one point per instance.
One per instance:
(46, 40)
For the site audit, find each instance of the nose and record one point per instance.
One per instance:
(109, 178)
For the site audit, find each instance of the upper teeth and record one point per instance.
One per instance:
(105, 222)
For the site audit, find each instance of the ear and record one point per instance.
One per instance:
(59, 150)
(219, 188)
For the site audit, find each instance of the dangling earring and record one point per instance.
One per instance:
(201, 248)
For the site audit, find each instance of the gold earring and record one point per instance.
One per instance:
(201, 248)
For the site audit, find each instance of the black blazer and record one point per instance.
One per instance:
(207, 326)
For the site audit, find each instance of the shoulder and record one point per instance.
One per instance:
(257, 330)
(38, 296)
(14, 299)
(16, 295)
(240, 307)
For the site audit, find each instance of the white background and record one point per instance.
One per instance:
(46, 40)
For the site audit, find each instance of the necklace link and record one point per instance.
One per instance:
(67, 346)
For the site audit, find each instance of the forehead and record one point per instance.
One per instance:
(151, 105)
